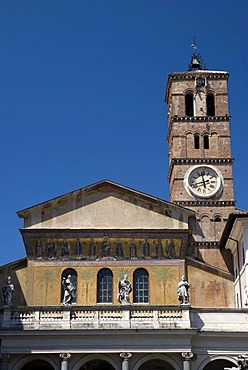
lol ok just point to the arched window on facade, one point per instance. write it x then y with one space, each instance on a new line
140 282
69 286
206 142
197 141
189 105
210 105
105 286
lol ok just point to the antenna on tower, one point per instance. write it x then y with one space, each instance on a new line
196 61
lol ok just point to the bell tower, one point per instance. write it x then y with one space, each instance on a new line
200 162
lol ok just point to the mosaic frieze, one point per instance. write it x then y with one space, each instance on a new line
94 248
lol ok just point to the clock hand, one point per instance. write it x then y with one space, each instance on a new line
203 181
199 183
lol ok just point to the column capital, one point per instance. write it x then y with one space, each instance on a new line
4 356
65 356
187 356
125 355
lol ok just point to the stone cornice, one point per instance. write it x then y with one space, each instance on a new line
197 119
192 161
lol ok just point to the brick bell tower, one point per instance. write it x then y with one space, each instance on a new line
200 162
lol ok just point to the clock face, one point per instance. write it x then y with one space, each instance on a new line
203 181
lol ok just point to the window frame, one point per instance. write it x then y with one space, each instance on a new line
140 286
105 286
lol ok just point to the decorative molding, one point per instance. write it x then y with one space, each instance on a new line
192 75
204 203
192 161
197 119
201 160
201 118
205 244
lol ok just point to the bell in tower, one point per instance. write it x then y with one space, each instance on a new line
196 62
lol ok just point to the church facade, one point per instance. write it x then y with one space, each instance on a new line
115 279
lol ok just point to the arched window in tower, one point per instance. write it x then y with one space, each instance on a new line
197 141
105 286
140 280
210 105
217 219
189 104
217 226
206 142
69 287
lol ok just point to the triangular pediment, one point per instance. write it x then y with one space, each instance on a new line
106 205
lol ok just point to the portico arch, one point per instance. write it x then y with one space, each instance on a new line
218 363
36 362
99 361
156 360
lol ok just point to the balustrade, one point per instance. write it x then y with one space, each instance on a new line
97 317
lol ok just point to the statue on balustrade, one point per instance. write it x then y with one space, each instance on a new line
242 362
183 291
124 289
8 291
68 290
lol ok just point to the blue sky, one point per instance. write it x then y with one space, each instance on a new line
82 87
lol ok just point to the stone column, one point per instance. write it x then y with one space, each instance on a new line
187 356
4 361
125 360
64 360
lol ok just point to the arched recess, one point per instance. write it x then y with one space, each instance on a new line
189 143
70 274
140 286
218 363
214 143
149 360
37 362
96 360
205 226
